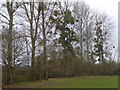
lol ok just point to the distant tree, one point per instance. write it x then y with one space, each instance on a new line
101 39
84 29
33 21
67 34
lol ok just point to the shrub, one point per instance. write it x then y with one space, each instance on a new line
20 78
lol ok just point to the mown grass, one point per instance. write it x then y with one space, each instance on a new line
74 82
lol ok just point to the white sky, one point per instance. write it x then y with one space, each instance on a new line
110 7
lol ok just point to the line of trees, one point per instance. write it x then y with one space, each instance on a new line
54 39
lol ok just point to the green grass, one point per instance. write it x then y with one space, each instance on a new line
74 82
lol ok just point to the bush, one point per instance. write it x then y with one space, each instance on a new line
20 78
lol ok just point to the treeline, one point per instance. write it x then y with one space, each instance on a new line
42 40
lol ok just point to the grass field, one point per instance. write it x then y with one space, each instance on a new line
74 82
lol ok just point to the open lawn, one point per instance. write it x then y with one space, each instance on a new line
73 82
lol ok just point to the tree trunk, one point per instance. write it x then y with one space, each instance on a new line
33 62
33 43
81 43
9 68
87 46
44 45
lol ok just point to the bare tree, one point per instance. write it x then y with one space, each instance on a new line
11 8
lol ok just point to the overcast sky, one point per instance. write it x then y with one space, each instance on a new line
110 7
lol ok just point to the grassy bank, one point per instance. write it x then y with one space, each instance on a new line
73 82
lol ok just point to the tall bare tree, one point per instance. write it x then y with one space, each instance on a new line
11 9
